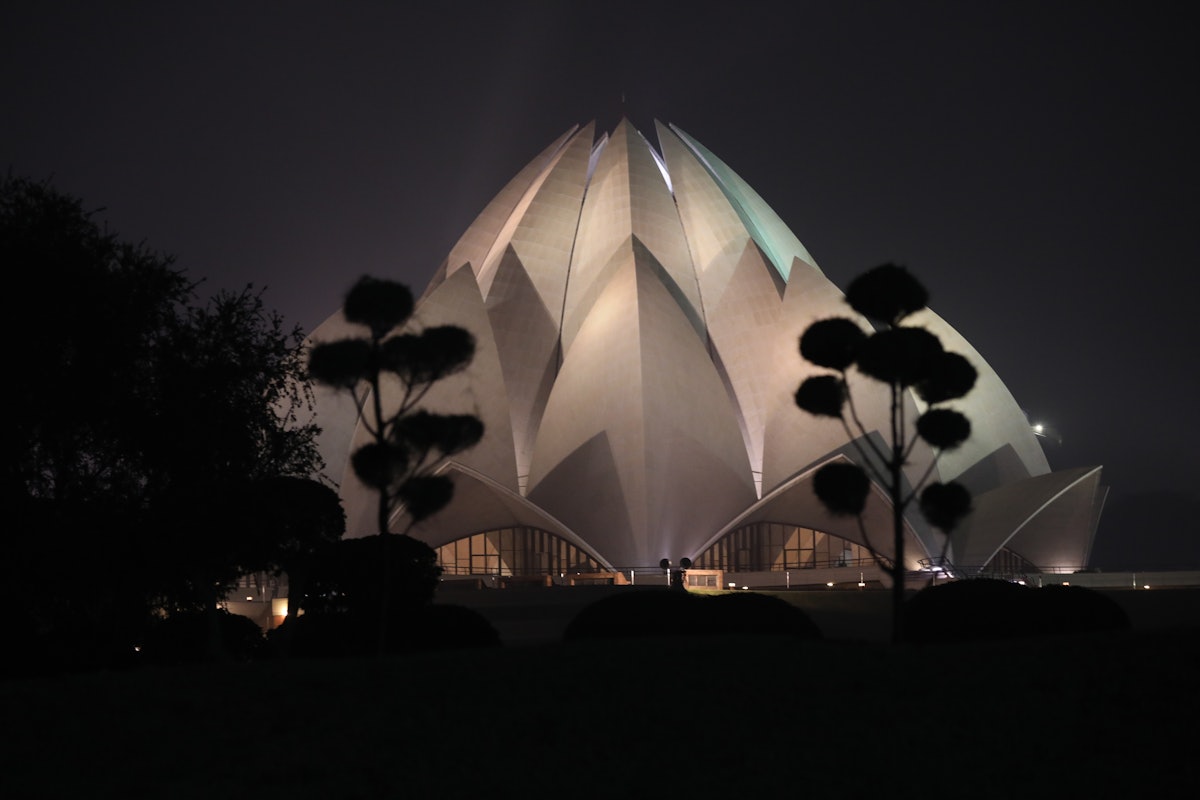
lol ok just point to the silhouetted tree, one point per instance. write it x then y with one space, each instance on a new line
226 429
139 416
287 525
408 443
903 358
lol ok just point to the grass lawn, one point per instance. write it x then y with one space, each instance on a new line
1097 715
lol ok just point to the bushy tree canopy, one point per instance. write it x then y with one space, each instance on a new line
141 418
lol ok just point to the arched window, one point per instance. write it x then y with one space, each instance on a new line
777 546
514 552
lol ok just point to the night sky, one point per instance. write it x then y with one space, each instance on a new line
1034 165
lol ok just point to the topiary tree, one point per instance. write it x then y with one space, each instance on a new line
407 443
903 358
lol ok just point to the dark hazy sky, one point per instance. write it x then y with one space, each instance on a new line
1034 163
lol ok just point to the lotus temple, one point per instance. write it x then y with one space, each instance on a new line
636 308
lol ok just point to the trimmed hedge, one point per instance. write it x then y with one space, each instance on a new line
666 612
994 609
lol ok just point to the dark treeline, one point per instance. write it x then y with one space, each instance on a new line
158 446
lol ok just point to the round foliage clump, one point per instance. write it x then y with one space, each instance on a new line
943 428
429 356
425 495
378 464
842 488
380 305
343 363
950 377
944 504
905 356
832 343
822 396
888 293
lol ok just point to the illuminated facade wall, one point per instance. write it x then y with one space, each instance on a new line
636 311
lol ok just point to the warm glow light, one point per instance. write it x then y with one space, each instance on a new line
1146 586
249 597
861 584
830 584
1037 428
1066 583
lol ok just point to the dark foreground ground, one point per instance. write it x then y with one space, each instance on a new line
1083 716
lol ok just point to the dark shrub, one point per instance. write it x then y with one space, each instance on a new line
1075 609
749 612
636 612
351 575
969 609
994 609
345 594
194 636
443 627
664 612
328 634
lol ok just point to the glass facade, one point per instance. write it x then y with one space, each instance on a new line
777 546
514 552
759 547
